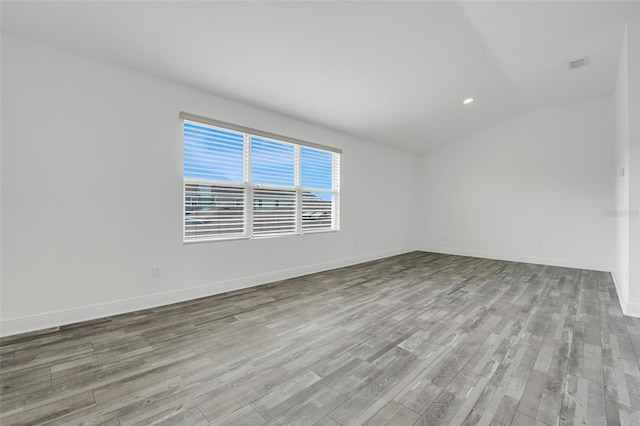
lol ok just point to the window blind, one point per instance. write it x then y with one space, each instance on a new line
319 172
247 130
272 162
213 211
211 153
274 212
246 185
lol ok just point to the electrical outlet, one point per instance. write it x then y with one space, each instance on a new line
155 272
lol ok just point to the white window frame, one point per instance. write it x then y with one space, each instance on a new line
250 187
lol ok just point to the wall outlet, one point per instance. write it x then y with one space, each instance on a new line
155 272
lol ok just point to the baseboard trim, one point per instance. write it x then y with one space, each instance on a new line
627 308
520 258
630 309
633 310
51 320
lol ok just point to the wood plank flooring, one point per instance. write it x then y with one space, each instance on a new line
416 339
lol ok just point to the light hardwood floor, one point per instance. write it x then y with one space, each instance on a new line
416 339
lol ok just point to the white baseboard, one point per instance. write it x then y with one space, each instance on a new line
624 304
630 309
54 319
520 258
633 310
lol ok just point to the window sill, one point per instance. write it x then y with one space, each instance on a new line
260 237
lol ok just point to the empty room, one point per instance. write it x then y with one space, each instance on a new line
320 213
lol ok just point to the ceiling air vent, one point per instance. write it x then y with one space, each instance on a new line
579 63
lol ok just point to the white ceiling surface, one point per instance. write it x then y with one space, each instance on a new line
389 72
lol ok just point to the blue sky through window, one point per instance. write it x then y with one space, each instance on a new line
316 170
218 154
211 153
272 162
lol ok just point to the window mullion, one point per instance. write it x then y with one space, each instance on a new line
296 179
248 188
248 210
335 188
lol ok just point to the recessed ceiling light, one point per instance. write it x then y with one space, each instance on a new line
468 101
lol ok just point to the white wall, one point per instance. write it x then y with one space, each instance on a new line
535 188
621 105
627 157
92 194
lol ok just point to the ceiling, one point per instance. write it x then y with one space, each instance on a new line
391 72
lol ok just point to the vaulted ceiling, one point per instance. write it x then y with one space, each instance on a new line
391 72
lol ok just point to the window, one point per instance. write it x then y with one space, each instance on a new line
243 183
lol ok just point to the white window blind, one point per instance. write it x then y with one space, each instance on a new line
243 183
272 162
213 154
214 191
213 211
319 171
274 212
